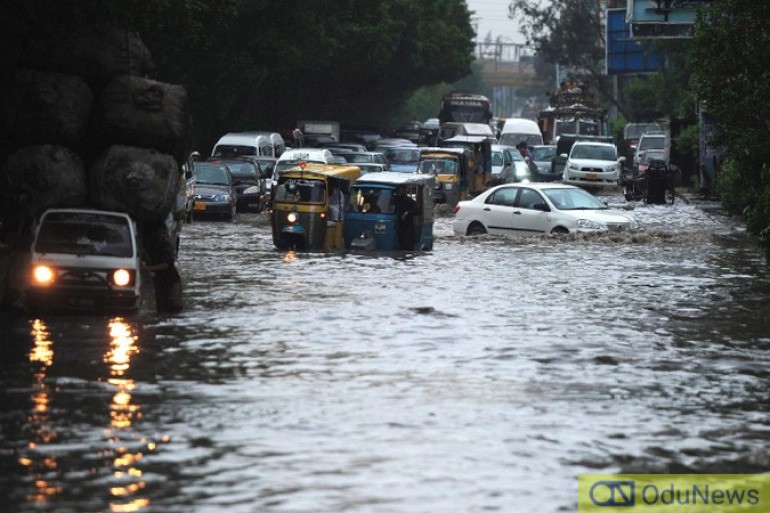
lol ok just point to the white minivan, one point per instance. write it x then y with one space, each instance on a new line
516 130
236 144
86 260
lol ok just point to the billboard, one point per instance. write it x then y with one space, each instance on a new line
653 19
625 55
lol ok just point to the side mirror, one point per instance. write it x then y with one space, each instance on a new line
564 155
622 159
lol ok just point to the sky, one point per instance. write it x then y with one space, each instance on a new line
493 15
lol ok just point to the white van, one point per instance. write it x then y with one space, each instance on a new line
264 144
84 260
516 130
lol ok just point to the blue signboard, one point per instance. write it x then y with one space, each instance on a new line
625 55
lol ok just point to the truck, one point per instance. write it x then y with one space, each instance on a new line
319 130
572 110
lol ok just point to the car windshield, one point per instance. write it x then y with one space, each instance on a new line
206 174
512 139
403 155
230 150
358 157
374 200
589 151
635 130
544 153
300 190
243 169
569 198
656 143
439 166
84 234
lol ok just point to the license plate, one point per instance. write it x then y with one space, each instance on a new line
448 186
199 206
591 176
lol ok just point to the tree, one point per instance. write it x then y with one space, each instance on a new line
251 64
569 33
731 76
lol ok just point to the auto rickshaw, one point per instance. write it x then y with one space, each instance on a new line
450 167
480 166
308 207
390 211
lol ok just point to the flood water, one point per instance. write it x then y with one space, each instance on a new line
482 376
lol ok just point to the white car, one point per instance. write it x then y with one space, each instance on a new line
505 157
593 163
536 209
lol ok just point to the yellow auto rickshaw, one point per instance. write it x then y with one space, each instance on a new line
450 167
480 167
309 204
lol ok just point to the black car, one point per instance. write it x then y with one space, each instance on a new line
249 176
214 192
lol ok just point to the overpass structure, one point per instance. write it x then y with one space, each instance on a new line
507 67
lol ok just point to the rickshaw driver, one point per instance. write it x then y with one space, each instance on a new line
406 210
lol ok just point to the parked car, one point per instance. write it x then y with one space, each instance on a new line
338 147
368 157
593 164
542 157
650 141
507 163
214 191
632 132
409 130
392 142
84 259
536 208
249 180
403 159
371 167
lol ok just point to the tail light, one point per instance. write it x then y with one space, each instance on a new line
457 208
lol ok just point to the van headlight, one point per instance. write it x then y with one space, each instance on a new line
589 224
122 277
43 275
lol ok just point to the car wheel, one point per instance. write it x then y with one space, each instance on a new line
476 229
559 230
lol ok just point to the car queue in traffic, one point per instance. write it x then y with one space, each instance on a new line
310 193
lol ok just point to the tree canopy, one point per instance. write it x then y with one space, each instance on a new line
254 64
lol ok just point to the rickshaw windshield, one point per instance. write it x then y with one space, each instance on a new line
438 166
300 190
373 200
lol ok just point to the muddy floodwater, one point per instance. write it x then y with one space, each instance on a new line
482 376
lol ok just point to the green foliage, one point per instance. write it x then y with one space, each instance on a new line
730 75
687 142
254 64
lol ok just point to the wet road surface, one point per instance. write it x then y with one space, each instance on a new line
483 376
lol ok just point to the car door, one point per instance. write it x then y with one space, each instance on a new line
498 210
529 215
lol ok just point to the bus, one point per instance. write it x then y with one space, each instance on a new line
463 107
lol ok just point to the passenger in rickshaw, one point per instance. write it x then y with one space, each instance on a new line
406 210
